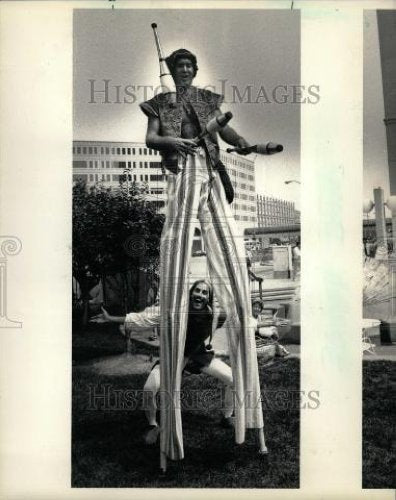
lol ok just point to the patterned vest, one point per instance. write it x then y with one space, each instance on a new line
204 102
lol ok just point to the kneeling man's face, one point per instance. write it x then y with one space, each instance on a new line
200 296
256 309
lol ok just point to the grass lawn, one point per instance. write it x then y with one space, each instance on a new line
379 417
107 448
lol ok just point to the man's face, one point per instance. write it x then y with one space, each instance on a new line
184 72
256 309
200 296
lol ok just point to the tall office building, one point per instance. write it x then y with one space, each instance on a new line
104 162
275 212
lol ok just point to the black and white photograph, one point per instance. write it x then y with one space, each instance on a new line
197 250
379 250
186 254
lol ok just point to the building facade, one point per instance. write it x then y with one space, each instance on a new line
242 175
263 237
275 212
97 162
105 162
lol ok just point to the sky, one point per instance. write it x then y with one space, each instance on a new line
256 48
375 166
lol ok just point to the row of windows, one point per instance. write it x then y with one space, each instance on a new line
242 186
147 151
275 202
276 216
135 164
116 177
92 177
245 218
275 210
116 164
272 218
265 223
267 206
242 175
230 160
146 178
94 150
275 206
266 200
244 196
151 152
157 178
144 164
245 208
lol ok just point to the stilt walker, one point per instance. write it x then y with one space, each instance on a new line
182 124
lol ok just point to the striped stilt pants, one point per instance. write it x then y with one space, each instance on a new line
196 192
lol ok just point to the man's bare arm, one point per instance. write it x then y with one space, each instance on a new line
112 319
231 137
156 141
148 318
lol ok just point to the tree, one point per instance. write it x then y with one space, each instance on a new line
114 231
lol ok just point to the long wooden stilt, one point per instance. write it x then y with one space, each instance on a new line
163 410
163 462
163 457
263 450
